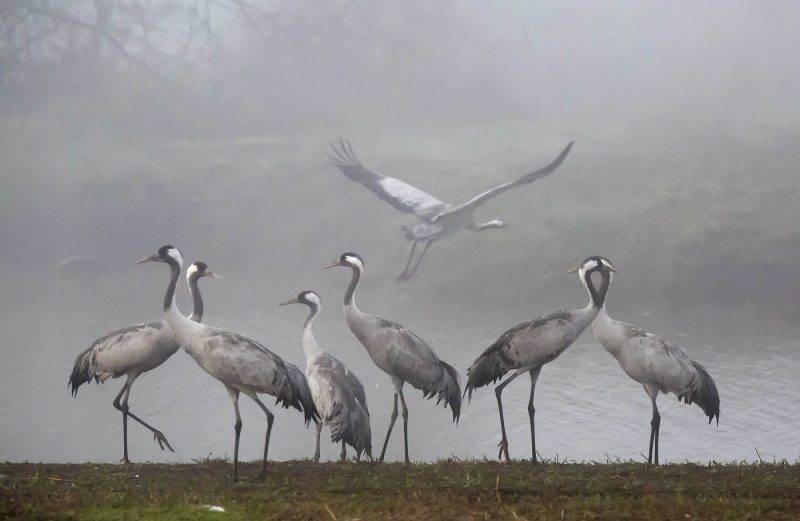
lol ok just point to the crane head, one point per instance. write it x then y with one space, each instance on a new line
307 297
167 253
349 259
593 263
200 269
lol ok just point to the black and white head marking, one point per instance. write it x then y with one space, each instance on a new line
170 252
604 267
310 298
353 260
197 269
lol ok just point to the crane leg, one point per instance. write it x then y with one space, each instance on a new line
532 411
499 391
270 418
316 450
404 274
655 424
419 259
237 428
123 407
392 419
343 455
158 436
658 432
405 421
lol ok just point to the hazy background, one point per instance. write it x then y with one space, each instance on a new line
130 124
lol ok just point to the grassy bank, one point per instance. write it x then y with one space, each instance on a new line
459 490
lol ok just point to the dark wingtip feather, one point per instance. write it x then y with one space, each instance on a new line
80 372
485 369
357 432
452 390
343 155
298 395
705 395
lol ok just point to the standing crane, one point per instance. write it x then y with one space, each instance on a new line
436 219
659 365
400 353
338 394
527 347
132 351
241 364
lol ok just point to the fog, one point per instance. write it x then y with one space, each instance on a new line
128 125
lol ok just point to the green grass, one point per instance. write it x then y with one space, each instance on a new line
446 489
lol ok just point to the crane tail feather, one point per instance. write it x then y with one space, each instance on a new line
704 394
486 369
353 428
449 391
81 371
297 394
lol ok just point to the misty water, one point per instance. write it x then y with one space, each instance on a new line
587 409
684 174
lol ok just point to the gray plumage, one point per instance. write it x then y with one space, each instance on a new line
299 382
660 367
131 351
357 387
337 393
241 364
530 344
436 219
246 365
400 353
704 394
527 347
341 409
404 355
134 349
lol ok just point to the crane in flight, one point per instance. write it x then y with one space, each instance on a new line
436 219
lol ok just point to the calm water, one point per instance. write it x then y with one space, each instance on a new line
587 409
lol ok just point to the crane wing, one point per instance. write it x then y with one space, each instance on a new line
408 356
356 386
528 178
399 194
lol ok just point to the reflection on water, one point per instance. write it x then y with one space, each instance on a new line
587 408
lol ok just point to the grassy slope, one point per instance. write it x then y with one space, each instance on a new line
462 490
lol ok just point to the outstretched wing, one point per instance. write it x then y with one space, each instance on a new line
528 178
402 196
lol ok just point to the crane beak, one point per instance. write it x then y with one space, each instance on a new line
332 264
150 258
612 269
209 273
290 301
573 270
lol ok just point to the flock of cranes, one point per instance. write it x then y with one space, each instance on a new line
329 393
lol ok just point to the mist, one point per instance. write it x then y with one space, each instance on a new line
205 125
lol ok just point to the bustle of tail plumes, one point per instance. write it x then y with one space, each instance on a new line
486 369
81 371
297 394
704 394
352 427
447 389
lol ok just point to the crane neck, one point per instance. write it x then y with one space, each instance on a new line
173 316
349 296
310 346
175 273
197 299
598 295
